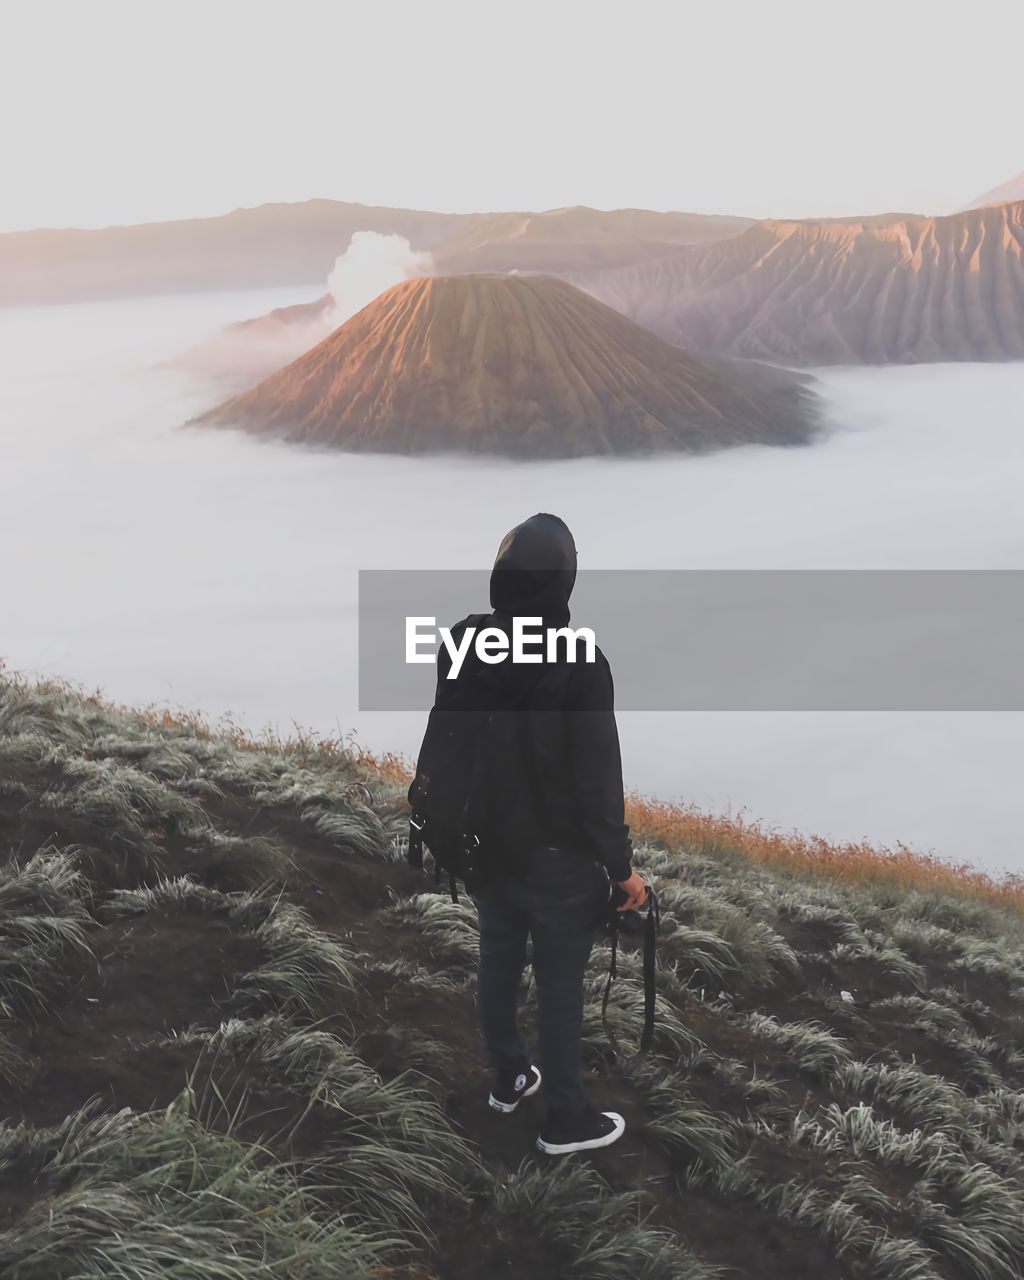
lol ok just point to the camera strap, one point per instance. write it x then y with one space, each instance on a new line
650 948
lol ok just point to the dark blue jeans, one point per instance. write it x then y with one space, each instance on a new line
557 902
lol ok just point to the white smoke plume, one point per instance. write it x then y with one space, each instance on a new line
246 351
371 264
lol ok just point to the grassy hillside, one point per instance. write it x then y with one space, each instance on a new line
238 1039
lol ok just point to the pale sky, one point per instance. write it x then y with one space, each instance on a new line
114 112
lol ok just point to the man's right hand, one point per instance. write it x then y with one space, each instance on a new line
635 889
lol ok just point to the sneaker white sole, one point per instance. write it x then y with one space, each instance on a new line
506 1108
588 1144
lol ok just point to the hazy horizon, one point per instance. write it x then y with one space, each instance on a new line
131 114
226 211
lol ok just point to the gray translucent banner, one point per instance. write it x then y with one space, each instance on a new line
742 640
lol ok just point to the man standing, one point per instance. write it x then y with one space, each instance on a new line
557 796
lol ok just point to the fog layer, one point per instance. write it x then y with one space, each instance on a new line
204 569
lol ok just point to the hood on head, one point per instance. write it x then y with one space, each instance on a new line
535 570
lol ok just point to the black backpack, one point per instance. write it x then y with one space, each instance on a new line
472 787
444 817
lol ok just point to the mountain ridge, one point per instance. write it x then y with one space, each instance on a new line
838 292
1012 189
278 244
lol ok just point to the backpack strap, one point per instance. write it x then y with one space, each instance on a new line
474 620
414 857
417 822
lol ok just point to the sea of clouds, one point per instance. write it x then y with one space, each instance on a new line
205 569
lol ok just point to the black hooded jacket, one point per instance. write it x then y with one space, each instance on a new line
562 770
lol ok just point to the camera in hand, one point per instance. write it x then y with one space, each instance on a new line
628 923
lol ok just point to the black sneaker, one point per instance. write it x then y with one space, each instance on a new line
583 1132
511 1087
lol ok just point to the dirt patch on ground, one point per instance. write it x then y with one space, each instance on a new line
154 974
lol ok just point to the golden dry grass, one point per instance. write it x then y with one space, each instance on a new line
688 828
